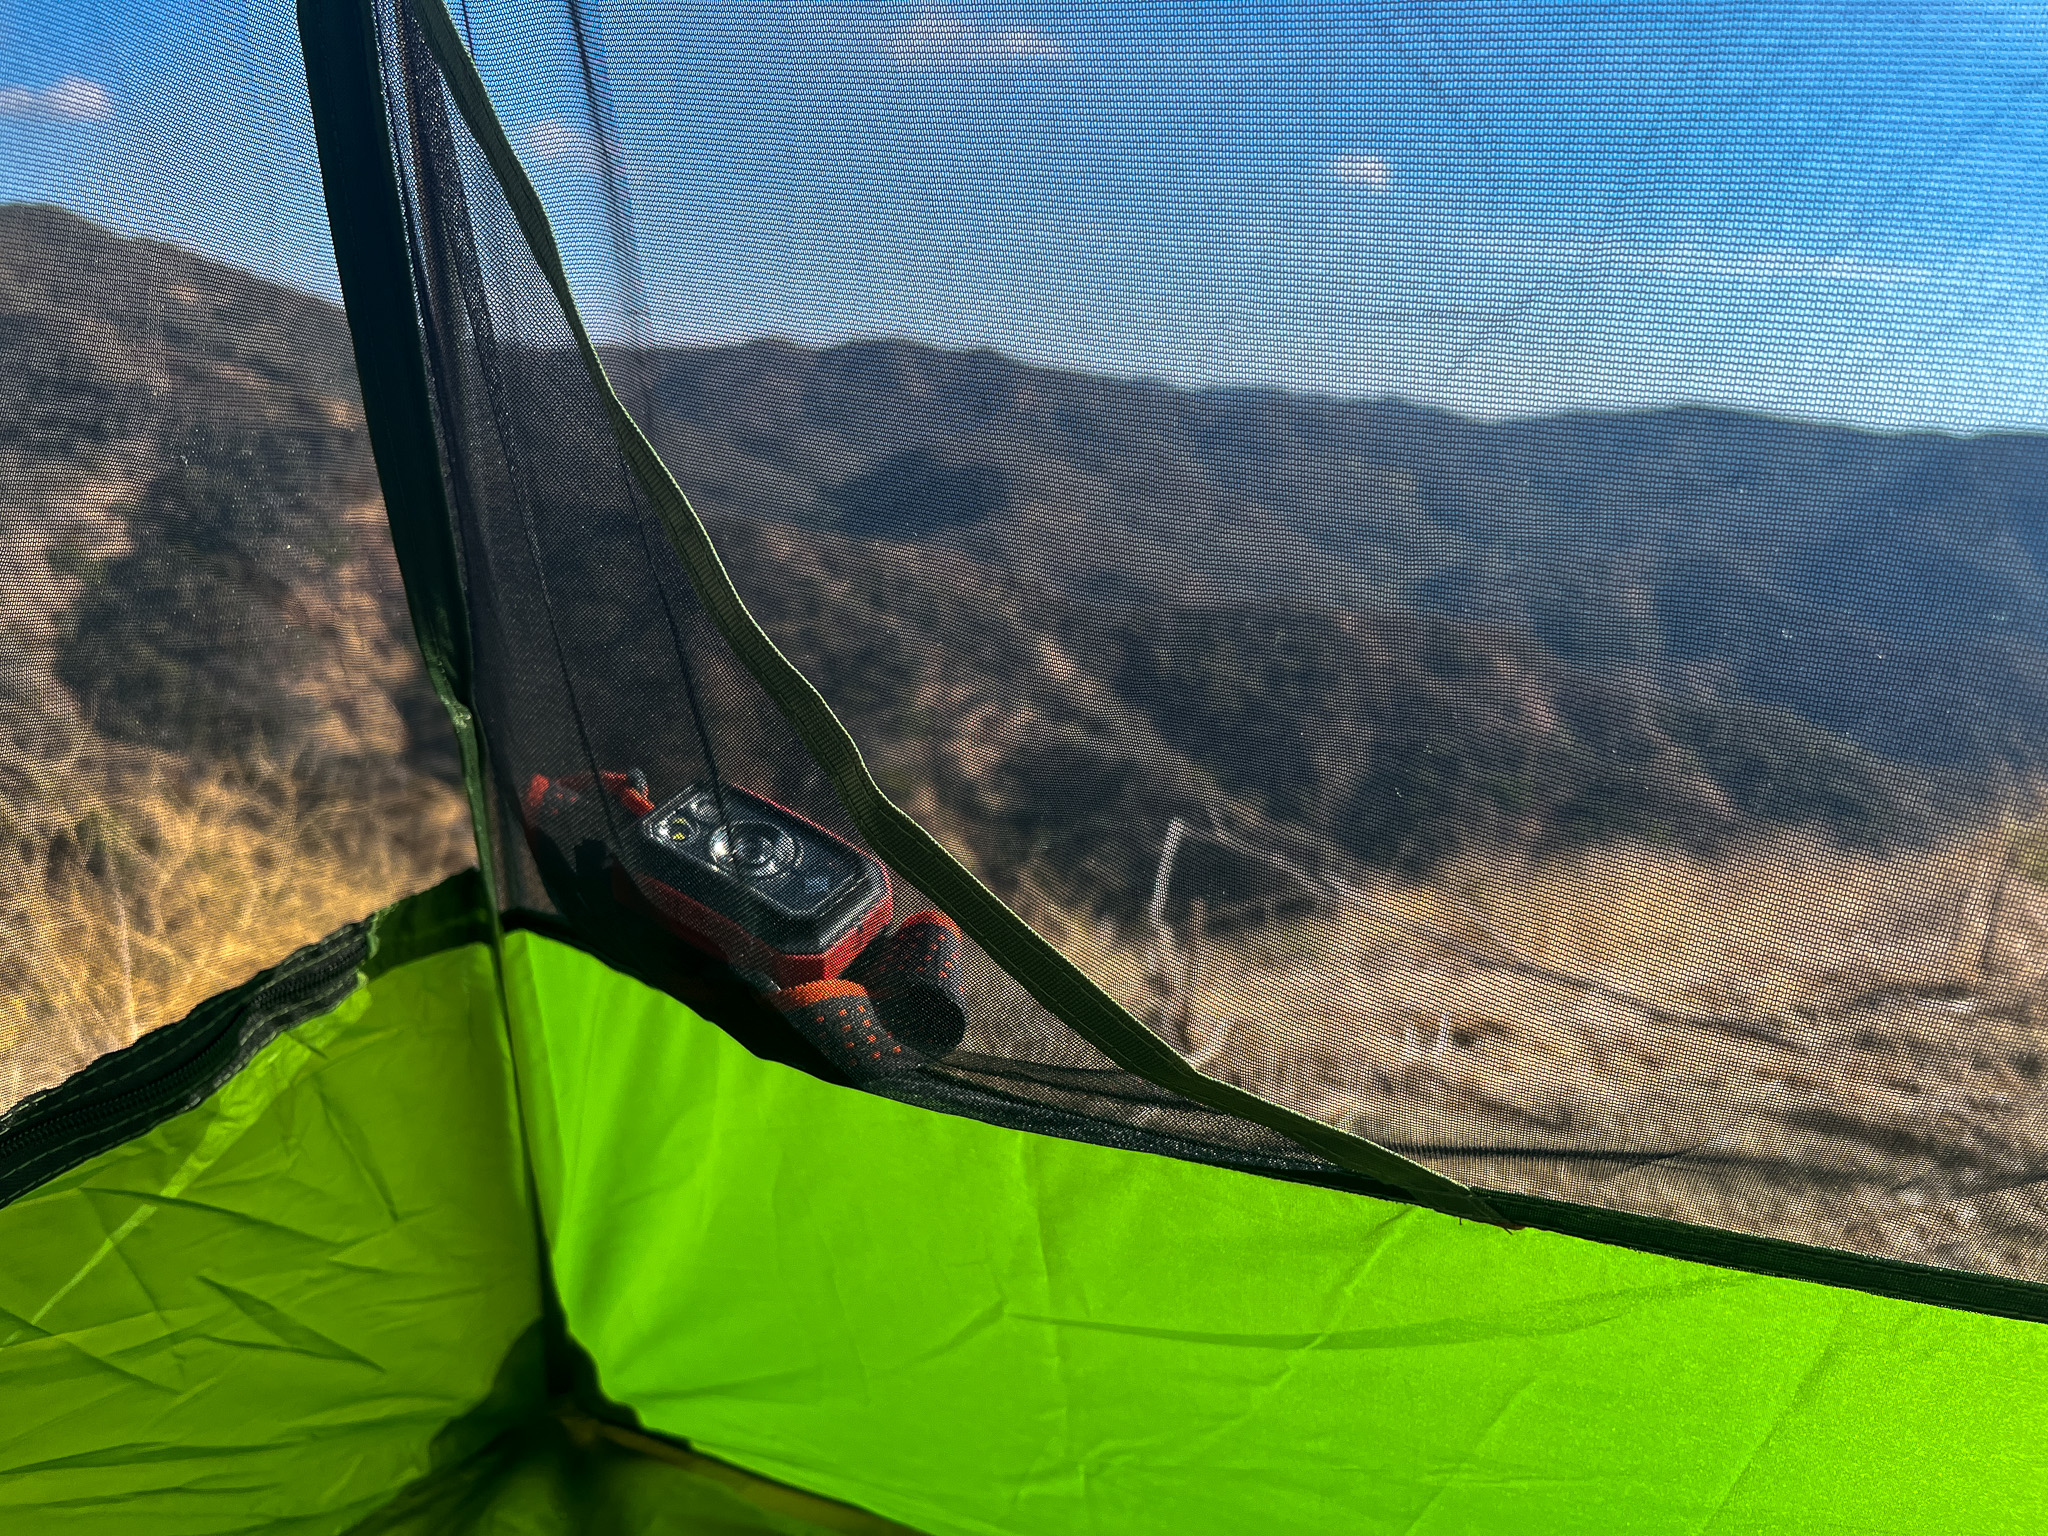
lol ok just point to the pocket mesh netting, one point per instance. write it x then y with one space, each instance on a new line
613 710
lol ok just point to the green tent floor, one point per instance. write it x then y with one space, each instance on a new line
539 1250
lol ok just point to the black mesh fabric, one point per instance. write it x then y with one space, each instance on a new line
594 655
1638 808
216 740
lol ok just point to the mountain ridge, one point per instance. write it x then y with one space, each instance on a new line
1056 608
1658 538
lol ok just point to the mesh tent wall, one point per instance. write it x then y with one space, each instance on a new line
1381 966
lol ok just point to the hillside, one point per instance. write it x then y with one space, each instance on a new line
216 741
1056 737
190 521
1669 783
1657 634
1060 609
1888 587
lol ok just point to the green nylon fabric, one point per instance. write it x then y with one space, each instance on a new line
313 1304
972 1329
274 1312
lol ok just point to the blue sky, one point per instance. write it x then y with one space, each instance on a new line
1830 211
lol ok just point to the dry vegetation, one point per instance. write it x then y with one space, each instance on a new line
137 883
1795 1040
216 739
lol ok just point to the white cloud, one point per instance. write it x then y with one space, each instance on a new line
73 99
939 39
1362 171
553 139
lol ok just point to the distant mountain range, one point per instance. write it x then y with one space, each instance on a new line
1058 609
1891 587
